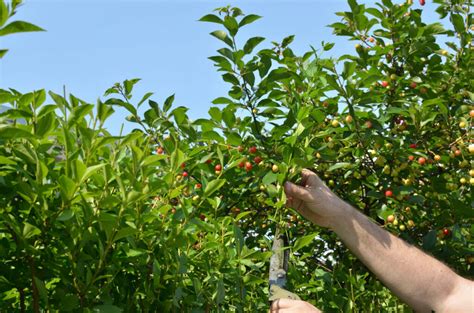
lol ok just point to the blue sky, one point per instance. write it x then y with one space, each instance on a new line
90 45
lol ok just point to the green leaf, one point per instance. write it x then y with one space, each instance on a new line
6 161
278 74
384 212
433 29
65 215
349 68
125 232
168 103
269 178
252 43
4 13
128 85
153 160
10 132
339 165
19 27
328 46
220 291
39 98
30 231
303 241
222 100
67 187
212 135
375 12
242 215
231 24
264 65
222 63
249 19
41 289
230 78
91 170
234 139
130 108
6 96
458 23
180 115
103 111
3 52
222 35
216 114
211 18
177 158
46 124
228 115
287 40
144 98
213 186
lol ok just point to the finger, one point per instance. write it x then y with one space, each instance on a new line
294 203
283 303
298 192
309 178
275 306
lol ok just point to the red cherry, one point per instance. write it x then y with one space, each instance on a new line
202 217
198 186
209 161
413 146
241 164
185 174
422 2
384 83
388 193
446 231
218 167
257 160
413 85
253 149
421 160
183 165
457 152
411 157
248 166
160 150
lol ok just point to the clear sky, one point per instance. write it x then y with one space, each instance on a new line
91 44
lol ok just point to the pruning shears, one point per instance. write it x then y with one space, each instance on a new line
279 268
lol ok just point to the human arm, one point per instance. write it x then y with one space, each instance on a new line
421 281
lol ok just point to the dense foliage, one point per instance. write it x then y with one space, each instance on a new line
178 215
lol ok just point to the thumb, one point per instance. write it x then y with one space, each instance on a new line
298 192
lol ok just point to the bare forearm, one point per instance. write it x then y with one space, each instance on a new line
418 279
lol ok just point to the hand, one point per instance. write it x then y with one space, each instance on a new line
314 200
292 306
